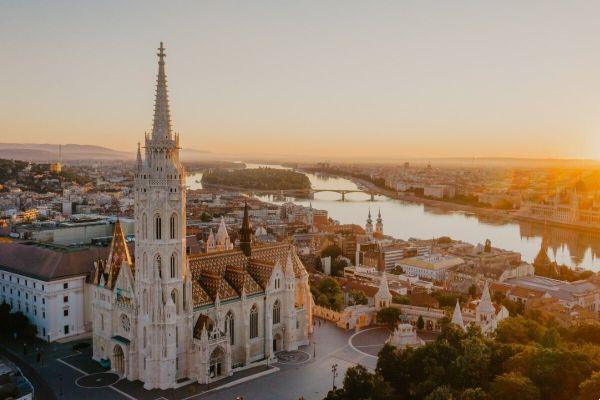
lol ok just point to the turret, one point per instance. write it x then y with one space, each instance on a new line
457 318
485 310
383 297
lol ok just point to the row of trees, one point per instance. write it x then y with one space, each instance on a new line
16 323
527 360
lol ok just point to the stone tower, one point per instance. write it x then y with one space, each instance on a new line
369 225
379 224
162 283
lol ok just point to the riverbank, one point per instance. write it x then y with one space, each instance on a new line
487 212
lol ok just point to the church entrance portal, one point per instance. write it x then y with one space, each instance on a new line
118 360
277 343
216 363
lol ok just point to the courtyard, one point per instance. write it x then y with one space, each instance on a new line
72 374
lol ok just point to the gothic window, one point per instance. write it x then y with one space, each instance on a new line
157 227
144 227
173 266
173 227
145 340
230 327
175 300
145 301
158 265
276 312
254 322
145 265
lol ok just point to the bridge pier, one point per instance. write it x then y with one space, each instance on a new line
343 196
372 196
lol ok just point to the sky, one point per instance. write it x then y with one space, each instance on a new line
397 79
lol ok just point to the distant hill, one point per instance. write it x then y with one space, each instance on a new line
43 152
49 152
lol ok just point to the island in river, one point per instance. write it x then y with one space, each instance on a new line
257 179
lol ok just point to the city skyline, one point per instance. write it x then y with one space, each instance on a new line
391 80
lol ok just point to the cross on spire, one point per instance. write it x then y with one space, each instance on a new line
161 53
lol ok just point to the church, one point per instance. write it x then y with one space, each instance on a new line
167 318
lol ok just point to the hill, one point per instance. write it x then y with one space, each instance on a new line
49 152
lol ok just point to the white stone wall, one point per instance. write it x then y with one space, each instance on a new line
44 303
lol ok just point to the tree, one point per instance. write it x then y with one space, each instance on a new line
399 299
512 386
205 217
420 323
519 330
474 394
358 383
388 316
440 393
473 363
358 297
397 270
333 251
473 290
328 293
590 388
556 372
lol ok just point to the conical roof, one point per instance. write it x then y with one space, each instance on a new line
457 318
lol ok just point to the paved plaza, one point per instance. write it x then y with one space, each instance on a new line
72 374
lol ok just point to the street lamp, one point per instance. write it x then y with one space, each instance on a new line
333 374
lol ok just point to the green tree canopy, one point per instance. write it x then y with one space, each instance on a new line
513 386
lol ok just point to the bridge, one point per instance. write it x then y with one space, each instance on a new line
311 192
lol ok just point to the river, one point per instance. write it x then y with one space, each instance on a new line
404 220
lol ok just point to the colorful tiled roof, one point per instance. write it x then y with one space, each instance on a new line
227 272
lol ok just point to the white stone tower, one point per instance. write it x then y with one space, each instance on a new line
383 297
162 281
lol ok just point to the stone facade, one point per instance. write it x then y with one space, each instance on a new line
166 318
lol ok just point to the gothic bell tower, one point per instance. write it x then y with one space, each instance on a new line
162 282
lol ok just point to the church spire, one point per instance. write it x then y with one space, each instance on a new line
246 233
161 127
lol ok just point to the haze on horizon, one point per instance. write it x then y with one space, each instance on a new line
360 79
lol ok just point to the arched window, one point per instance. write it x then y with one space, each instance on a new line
173 227
157 264
145 338
157 227
254 322
144 227
276 312
145 265
145 306
230 327
175 300
173 266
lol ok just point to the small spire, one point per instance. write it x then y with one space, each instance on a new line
457 318
246 233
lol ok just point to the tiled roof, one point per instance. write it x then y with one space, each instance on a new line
240 279
48 263
227 272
